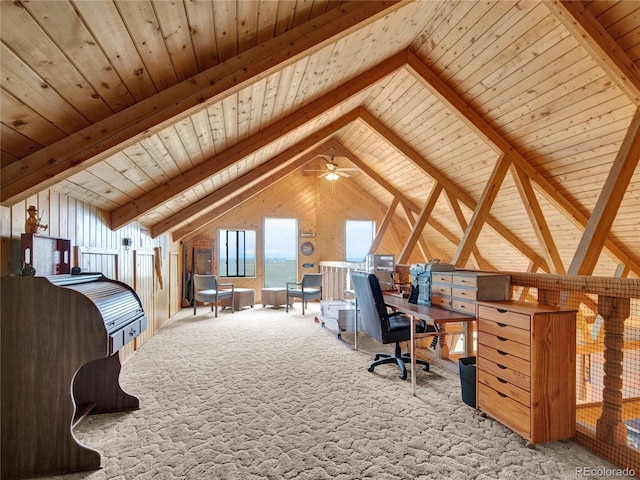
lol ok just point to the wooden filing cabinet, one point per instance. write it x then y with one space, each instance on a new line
526 368
461 289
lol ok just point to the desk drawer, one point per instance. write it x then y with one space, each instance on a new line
505 409
464 293
441 277
505 317
503 344
504 359
504 387
470 281
505 331
440 290
441 301
463 306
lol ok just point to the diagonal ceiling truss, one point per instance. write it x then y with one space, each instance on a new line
48 166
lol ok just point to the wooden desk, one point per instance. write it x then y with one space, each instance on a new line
434 316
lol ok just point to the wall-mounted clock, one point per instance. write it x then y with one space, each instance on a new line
307 248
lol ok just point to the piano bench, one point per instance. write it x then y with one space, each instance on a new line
242 297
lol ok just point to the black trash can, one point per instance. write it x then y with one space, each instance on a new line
467 367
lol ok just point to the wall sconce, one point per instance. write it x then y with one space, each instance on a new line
126 242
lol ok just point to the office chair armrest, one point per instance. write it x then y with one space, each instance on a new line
294 284
225 285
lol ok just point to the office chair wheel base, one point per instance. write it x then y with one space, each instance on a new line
403 376
426 368
370 369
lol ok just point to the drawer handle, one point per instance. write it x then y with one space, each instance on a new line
501 380
132 332
501 366
501 310
502 325
501 352
502 395
502 339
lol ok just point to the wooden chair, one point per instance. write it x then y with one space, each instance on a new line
206 288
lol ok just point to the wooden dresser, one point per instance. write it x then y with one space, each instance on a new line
526 368
460 290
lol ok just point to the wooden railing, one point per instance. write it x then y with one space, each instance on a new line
608 324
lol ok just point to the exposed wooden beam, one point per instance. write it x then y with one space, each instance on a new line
484 130
481 213
537 220
210 167
422 245
96 142
189 230
456 211
606 208
278 165
386 222
420 223
447 184
590 33
407 204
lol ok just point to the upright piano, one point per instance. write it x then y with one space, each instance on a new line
60 337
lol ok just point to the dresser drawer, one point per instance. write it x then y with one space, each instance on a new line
441 301
464 293
505 409
441 277
506 388
462 306
505 331
505 317
503 344
514 377
504 359
440 290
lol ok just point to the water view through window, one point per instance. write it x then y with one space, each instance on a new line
280 251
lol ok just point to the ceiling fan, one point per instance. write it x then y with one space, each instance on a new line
333 171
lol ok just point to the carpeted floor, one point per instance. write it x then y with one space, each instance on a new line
261 394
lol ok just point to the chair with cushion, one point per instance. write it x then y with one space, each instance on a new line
381 324
206 288
309 288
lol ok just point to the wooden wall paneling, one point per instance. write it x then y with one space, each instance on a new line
174 284
98 259
144 286
6 242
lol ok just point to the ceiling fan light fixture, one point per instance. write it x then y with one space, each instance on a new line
331 176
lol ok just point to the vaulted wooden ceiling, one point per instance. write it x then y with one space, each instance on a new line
507 131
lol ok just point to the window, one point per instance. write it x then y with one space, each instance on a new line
280 251
237 253
358 239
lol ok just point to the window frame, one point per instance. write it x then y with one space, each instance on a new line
239 247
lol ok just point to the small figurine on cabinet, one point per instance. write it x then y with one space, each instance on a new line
32 225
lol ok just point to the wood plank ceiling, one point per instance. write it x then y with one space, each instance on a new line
524 113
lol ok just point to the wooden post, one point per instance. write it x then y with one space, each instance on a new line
610 427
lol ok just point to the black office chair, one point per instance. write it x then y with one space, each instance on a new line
382 325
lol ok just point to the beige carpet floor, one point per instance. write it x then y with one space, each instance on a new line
261 394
